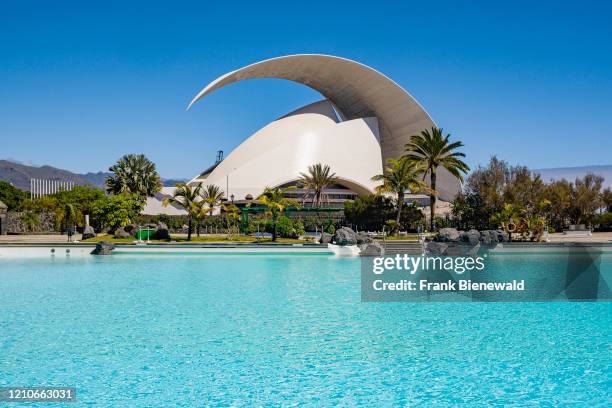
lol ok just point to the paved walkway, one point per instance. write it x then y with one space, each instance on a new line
595 237
36 239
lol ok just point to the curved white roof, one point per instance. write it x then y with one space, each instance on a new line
356 89
277 154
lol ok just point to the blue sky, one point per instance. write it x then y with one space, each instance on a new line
82 83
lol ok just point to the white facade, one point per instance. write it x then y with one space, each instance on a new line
279 152
154 205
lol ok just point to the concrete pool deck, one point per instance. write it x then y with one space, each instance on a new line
596 237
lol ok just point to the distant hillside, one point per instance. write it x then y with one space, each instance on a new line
172 182
19 175
571 173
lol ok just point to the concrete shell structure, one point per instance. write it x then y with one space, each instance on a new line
365 119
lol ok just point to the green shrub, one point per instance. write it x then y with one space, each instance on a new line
12 196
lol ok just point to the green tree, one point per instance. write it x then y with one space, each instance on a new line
560 194
12 196
187 197
30 220
118 210
231 213
400 176
317 179
586 198
431 150
275 201
135 174
470 212
606 197
81 199
489 183
508 218
369 212
212 196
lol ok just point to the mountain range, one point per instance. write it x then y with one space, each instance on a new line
19 175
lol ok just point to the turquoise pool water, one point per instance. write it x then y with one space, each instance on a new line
260 330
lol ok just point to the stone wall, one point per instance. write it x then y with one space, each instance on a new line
15 225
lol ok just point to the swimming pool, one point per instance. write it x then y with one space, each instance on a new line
165 330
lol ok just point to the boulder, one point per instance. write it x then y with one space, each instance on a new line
162 233
130 228
363 238
371 249
485 237
489 237
88 232
472 237
345 236
103 248
448 235
122 233
325 238
502 236
436 248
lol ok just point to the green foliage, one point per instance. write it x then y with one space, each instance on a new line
469 211
30 220
173 222
331 228
134 174
371 213
604 221
68 206
275 202
391 227
286 228
560 202
12 196
118 210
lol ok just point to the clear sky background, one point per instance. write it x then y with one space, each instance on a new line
82 83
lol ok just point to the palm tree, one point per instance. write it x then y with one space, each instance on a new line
232 213
400 175
187 197
134 173
211 197
274 200
318 178
432 150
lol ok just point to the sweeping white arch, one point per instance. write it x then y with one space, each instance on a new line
357 90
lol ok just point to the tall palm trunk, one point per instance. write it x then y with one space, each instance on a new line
400 205
432 204
274 221
189 229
